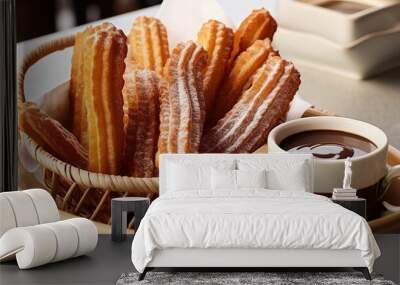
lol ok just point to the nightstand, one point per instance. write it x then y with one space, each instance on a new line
120 207
358 205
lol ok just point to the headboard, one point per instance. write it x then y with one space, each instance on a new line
206 157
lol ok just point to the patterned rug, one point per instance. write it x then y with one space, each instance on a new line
269 278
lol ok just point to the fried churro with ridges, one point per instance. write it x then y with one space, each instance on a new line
164 119
182 103
217 40
141 122
246 127
258 25
105 51
148 42
246 64
51 135
77 104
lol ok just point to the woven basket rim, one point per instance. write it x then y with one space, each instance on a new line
83 177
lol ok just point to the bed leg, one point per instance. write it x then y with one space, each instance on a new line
142 275
364 271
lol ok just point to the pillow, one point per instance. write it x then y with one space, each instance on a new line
237 179
293 174
188 173
251 178
294 179
223 179
182 177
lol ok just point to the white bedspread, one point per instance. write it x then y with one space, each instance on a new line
250 219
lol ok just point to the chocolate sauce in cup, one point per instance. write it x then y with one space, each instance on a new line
328 144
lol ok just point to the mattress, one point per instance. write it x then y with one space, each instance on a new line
251 219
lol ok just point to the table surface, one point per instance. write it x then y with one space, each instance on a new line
110 259
376 100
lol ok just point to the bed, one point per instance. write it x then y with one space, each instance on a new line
280 223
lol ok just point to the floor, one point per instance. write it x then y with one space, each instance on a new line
103 266
110 260
389 262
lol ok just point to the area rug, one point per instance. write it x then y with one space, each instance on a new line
268 278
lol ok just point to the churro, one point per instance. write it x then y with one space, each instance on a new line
51 135
258 25
182 103
217 40
243 69
77 104
105 50
148 43
141 122
245 128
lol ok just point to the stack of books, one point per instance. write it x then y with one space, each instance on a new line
344 194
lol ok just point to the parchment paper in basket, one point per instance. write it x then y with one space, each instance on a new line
183 18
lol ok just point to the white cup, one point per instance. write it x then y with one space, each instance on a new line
367 170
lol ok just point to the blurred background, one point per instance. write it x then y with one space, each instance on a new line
34 19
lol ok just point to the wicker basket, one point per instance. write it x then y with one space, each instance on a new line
85 193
